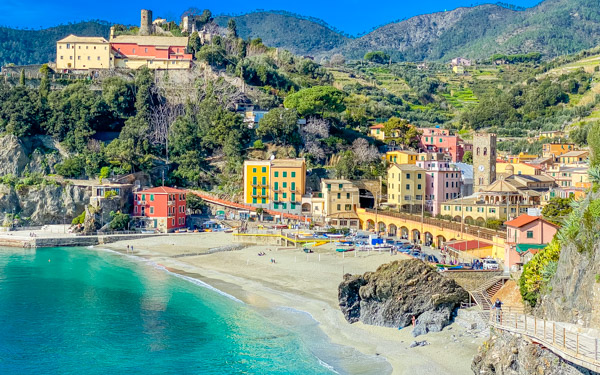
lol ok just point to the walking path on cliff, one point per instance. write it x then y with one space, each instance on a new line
569 341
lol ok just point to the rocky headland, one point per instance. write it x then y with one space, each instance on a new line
398 291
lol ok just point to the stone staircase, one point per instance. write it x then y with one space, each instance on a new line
483 295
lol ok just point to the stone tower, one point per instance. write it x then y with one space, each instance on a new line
146 22
484 160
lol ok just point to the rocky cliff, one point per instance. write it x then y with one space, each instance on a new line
43 204
508 354
36 154
396 292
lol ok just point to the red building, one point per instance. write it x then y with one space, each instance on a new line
161 208
440 140
154 52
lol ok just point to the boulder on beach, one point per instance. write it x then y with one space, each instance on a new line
396 292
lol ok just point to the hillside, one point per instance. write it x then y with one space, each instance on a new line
39 46
554 27
283 30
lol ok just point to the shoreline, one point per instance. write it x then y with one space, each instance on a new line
306 283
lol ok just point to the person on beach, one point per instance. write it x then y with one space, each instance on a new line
414 321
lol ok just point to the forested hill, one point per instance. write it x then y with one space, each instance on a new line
287 30
554 27
39 46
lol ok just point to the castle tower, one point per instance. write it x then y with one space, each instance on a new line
146 22
484 160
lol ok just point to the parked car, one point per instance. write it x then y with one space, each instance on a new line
490 264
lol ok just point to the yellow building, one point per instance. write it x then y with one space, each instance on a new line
556 149
554 134
341 198
574 157
518 168
83 53
376 131
568 176
406 186
276 184
521 158
401 157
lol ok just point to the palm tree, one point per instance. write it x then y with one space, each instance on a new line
260 211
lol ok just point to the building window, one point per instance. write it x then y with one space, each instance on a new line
253 170
293 174
339 195
254 180
292 206
275 205
253 191
264 169
264 180
151 209
419 176
70 57
348 207
529 234
284 184
293 197
253 200
132 51
146 50
339 207
89 58
408 175
143 197
78 57
276 196
284 174
276 174
347 195
68 46
264 201
284 205
293 186
407 187
276 186
61 57
284 195
98 58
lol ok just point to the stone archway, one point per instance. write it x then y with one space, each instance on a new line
370 225
381 227
392 230
469 220
441 240
457 218
415 235
404 232
306 208
428 239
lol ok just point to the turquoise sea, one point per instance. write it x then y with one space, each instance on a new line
84 311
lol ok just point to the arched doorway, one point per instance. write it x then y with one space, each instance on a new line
366 198
392 230
370 225
404 232
416 235
306 209
428 239
469 220
441 240
381 227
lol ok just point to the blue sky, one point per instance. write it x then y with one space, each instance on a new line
351 16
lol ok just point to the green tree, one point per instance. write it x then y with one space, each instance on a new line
593 140
401 131
557 210
346 167
120 221
231 28
316 100
22 78
44 88
195 203
468 157
280 125
194 43
378 57
20 111
212 54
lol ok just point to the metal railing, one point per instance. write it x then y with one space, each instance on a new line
564 339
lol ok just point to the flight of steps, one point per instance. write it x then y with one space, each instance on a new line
483 295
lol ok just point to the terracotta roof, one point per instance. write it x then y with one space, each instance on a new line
162 190
83 39
574 153
378 126
468 245
521 221
151 40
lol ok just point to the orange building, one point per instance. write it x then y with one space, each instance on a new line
555 150
162 208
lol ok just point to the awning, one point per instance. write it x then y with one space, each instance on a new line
524 247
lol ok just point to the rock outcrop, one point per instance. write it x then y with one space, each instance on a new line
508 354
396 292
49 204
37 154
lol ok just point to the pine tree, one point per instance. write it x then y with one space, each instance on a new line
22 78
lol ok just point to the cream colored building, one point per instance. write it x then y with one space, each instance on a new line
83 53
406 186
341 198
503 199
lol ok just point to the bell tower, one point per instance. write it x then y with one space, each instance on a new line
484 160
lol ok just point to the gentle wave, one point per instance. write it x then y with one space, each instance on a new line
163 268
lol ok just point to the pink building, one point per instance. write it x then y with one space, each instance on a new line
525 236
442 180
440 140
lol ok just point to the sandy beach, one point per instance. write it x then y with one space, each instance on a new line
307 282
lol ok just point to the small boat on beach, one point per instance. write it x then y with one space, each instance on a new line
344 249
